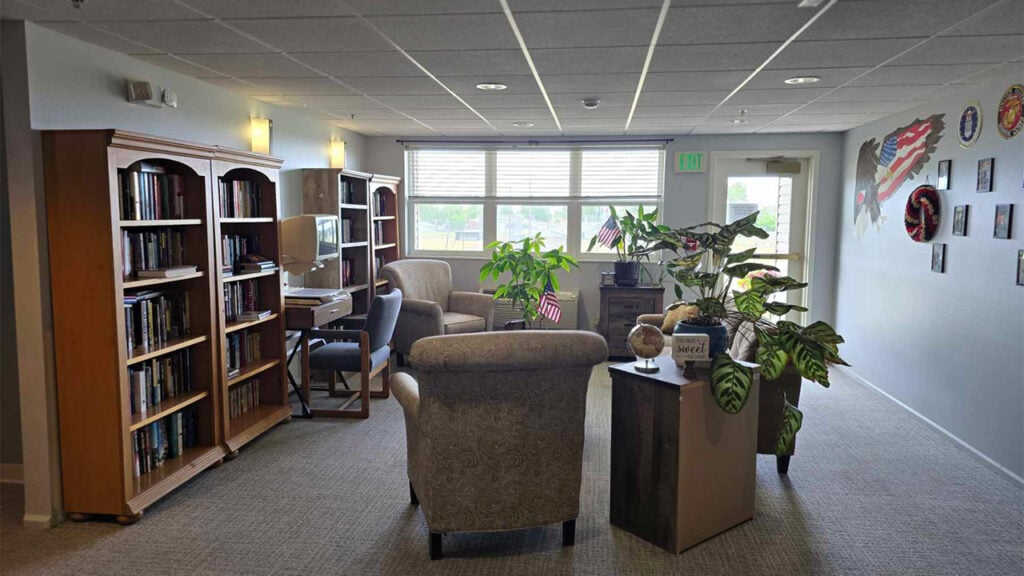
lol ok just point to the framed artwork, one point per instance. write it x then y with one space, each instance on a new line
960 220
939 258
1004 221
985 168
944 169
1020 267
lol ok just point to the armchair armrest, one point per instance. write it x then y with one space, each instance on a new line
407 392
336 334
652 319
474 303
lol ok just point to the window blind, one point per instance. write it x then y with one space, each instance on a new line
441 173
533 173
617 172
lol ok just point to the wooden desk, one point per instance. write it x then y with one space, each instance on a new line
304 319
682 470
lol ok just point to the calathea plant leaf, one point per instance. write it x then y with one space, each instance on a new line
808 356
772 284
750 303
730 383
781 308
792 420
770 355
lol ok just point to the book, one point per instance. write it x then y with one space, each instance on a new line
172 272
252 315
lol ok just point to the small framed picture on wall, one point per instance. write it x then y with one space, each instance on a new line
1020 267
1004 222
960 220
939 258
986 167
945 166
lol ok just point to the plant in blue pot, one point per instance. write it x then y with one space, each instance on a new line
703 271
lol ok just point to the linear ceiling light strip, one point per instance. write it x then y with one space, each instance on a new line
647 61
529 60
885 63
775 54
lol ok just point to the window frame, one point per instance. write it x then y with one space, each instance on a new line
574 203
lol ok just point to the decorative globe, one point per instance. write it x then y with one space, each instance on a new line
646 342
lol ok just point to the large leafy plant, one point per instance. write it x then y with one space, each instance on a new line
703 269
530 268
637 233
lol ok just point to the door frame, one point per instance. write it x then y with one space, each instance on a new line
810 227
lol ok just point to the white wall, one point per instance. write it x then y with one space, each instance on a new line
950 346
685 204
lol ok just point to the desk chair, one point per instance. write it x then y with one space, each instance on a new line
367 351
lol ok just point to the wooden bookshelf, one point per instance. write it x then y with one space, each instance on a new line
261 174
373 239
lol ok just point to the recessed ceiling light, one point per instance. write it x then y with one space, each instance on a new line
491 86
522 124
739 121
803 80
591 103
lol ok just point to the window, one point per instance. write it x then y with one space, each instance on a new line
459 200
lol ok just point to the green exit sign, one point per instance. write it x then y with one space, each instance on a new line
690 162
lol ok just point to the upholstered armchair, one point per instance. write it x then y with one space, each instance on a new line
774 393
430 307
494 429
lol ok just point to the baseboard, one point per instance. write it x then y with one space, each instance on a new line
995 466
12 474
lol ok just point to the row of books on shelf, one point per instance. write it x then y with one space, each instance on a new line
235 247
163 440
240 199
243 351
243 398
240 298
346 194
378 263
152 254
152 318
348 271
151 194
381 204
379 236
160 379
347 232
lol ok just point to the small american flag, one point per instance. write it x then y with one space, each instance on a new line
548 304
609 233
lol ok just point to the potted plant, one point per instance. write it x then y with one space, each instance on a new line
530 270
632 242
705 265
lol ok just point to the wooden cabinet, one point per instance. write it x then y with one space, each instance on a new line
620 306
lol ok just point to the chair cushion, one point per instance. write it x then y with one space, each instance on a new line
456 323
345 356
672 317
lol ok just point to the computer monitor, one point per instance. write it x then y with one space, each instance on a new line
307 240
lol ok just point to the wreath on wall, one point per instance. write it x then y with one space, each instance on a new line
921 217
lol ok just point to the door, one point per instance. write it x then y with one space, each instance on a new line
777 188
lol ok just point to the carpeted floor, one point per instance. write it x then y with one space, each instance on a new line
871 491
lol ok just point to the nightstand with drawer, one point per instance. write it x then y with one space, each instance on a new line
620 306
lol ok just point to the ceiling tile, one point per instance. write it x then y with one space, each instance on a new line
840 53
703 57
245 65
819 119
915 75
579 112
395 86
447 32
803 129
888 19
346 64
740 129
590 83
446 114
347 103
110 11
670 111
840 108
756 109
729 121
781 96
682 81
520 6
269 8
17 10
302 86
1007 18
588 28
367 116
738 24
512 114
463 124
415 7
86 33
680 98
185 36
830 77
965 50
607 99
469 63
314 34
236 85
997 71
407 102
879 93
177 65
666 122
482 101
588 60
519 84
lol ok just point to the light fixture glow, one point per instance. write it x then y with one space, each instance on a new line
803 80
338 154
491 86
739 121
522 124
260 134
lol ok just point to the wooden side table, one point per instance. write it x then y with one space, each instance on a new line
620 305
682 470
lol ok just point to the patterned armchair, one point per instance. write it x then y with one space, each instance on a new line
494 428
430 306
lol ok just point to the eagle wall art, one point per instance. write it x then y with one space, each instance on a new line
880 173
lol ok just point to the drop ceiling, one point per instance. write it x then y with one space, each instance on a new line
410 67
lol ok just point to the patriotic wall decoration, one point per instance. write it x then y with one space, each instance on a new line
921 218
1011 108
883 167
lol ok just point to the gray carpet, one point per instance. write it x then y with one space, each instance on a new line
871 491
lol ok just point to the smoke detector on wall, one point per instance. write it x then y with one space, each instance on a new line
591 103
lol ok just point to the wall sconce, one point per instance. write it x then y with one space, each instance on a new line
261 131
338 154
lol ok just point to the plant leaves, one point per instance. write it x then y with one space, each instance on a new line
711 307
749 302
770 355
737 257
792 420
730 383
781 308
772 284
808 356
822 332
741 270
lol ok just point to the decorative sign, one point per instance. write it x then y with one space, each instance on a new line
1011 108
690 162
969 127
690 348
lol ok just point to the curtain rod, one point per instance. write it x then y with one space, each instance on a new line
541 142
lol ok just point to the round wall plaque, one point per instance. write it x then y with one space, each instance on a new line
1011 107
969 127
